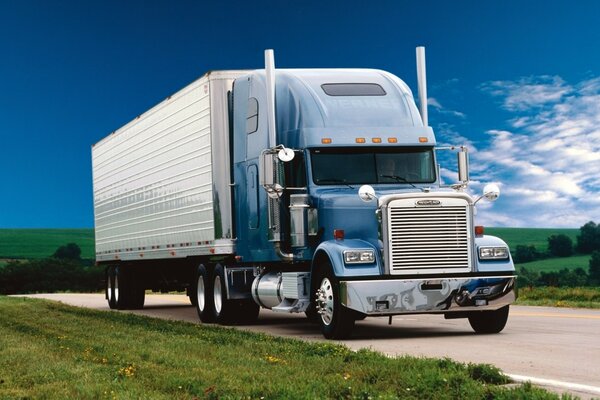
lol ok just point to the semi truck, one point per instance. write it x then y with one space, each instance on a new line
314 191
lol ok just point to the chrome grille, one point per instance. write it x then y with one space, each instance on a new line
428 239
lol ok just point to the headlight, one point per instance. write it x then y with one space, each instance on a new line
493 253
359 256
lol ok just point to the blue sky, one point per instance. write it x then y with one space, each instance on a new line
518 81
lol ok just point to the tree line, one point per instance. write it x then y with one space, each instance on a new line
63 271
588 242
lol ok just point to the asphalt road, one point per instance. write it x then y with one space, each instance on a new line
538 343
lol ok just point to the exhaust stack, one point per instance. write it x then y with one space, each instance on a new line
422 84
270 74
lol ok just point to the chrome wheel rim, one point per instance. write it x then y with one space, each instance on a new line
116 288
325 301
217 297
200 293
109 288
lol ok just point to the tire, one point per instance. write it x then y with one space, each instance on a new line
223 310
137 290
129 292
203 295
336 321
110 287
489 321
121 288
226 311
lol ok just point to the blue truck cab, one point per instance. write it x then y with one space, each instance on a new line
340 211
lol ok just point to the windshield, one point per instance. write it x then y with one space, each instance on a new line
372 166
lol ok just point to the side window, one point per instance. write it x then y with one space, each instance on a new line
252 118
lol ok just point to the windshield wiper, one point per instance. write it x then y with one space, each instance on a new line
401 179
333 182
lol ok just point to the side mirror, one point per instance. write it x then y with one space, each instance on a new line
366 193
286 155
491 192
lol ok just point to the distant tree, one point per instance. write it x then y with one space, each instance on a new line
589 238
525 254
560 245
594 270
527 278
69 252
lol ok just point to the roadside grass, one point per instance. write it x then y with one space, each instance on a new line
579 297
537 237
53 351
556 264
41 243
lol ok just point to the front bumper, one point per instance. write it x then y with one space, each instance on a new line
416 296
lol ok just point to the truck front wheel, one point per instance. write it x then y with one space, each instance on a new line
336 320
489 321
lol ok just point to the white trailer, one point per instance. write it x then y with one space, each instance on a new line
161 182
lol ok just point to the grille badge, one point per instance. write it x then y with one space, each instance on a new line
428 203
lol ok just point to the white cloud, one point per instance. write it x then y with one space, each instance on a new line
549 156
433 102
528 92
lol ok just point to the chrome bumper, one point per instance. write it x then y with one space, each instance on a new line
388 297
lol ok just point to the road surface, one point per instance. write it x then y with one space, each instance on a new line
556 344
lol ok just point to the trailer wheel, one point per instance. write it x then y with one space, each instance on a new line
136 290
110 287
336 320
203 295
489 321
121 288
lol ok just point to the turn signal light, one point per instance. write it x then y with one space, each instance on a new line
479 231
338 234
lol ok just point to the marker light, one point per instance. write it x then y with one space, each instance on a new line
376 140
338 234
326 141
392 140
360 140
479 230
423 140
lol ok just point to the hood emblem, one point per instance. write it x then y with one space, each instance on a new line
428 203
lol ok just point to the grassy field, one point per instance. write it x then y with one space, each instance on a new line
41 243
91 354
587 297
537 237
556 264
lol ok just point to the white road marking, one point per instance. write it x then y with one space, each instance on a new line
554 383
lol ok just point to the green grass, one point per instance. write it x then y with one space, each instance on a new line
41 243
537 237
53 351
556 264
586 297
